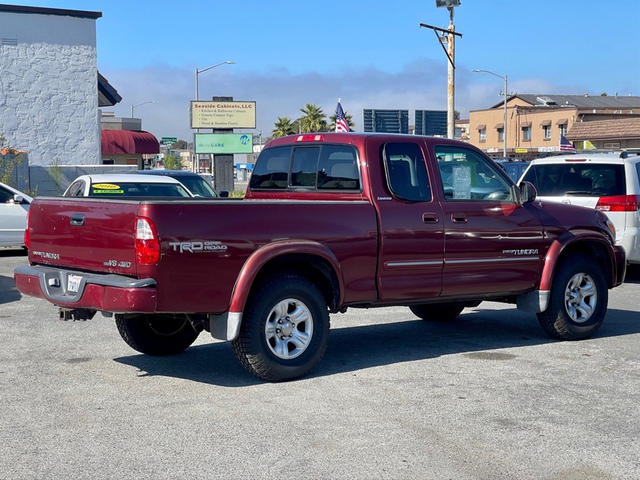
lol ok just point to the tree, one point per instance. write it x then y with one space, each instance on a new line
10 159
180 145
172 162
313 120
350 123
283 127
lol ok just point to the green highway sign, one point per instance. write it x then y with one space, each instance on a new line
168 140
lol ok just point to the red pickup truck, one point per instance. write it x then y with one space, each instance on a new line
329 221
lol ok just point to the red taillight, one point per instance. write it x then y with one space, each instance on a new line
27 235
619 203
147 243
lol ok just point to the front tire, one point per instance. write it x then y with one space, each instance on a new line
285 330
578 300
156 334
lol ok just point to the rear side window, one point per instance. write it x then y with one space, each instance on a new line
76 189
5 195
321 167
406 172
587 179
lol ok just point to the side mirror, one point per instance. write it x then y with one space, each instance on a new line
528 192
223 194
18 198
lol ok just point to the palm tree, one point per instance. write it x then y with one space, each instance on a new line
283 127
313 120
350 123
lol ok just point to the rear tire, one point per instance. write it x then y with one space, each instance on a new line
437 311
156 334
285 330
578 300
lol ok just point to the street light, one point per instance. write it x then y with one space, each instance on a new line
143 103
504 131
228 62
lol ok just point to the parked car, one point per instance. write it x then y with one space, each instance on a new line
125 185
514 169
14 206
198 186
605 182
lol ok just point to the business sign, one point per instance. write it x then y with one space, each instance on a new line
168 140
223 114
223 142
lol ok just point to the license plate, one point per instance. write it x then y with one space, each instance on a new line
73 283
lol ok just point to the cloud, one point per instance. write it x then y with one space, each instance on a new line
421 84
278 92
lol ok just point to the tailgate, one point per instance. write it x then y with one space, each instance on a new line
84 234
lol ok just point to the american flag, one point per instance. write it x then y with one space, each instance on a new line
341 120
565 145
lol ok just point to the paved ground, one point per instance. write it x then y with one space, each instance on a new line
487 396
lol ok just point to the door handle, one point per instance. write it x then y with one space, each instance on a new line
430 217
458 218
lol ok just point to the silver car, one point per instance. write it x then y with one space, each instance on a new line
14 206
606 182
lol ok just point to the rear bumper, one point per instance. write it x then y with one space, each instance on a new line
107 293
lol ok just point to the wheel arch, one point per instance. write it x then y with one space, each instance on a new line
578 242
308 259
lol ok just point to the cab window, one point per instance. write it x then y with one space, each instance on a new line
467 175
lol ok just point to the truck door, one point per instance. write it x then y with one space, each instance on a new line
410 223
492 244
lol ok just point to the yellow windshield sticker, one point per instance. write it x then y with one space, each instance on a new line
105 186
108 192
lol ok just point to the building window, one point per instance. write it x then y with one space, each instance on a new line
546 129
483 134
526 134
563 129
501 134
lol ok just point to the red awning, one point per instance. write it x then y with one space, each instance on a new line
115 142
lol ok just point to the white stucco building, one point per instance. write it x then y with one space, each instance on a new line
49 84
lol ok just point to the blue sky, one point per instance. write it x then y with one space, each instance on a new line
371 54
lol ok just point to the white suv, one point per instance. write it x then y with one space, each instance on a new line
606 182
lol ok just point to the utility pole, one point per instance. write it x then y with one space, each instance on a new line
448 36
451 78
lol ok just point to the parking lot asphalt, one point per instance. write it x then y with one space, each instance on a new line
487 396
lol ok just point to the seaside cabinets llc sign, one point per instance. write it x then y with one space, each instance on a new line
223 114
224 143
